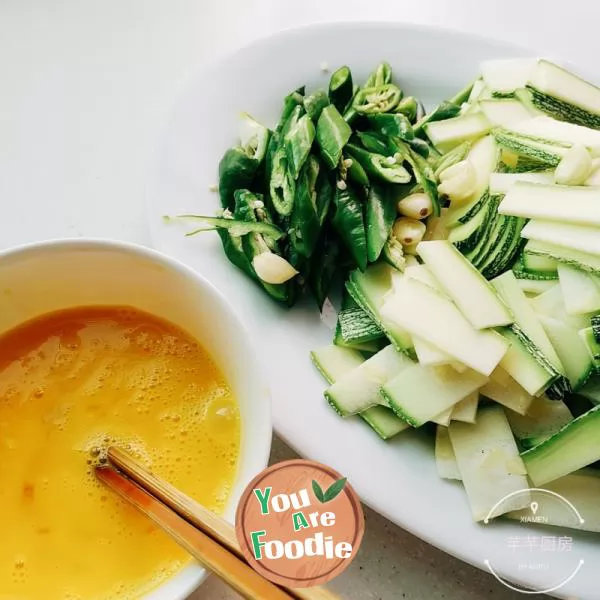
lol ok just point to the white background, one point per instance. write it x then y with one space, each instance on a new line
86 88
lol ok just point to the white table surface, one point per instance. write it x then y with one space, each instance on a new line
86 89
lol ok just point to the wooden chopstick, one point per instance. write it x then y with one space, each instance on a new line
145 486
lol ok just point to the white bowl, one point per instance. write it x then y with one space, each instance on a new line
48 276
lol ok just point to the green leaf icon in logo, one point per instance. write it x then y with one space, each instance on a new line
332 491
318 491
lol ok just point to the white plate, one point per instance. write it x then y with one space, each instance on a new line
398 478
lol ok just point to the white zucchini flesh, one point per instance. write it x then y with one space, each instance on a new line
551 304
360 388
466 410
578 237
571 350
534 287
512 396
590 263
581 292
464 284
382 419
429 315
504 112
335 361
544 418
428 355
524 368
506 75
525 316
419 394
445 135
445 461
582 488
500 183
489 463
476 90
443 419
560 131
560 83
553 203
424 275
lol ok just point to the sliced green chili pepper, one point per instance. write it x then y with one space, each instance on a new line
232 246
290 102
393 253
236 170
325 191
408 107
341 89
333 134
392 125
380 99
384 168
420 147
380 76
374 143
251 207
235 227
349 223
324 267
282 185
425 178
297 143
355 172
380 216
305 225
445 110
315 103
254 137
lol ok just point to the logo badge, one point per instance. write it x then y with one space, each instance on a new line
299 523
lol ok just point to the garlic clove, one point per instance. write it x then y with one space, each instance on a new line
408 232
272 268
415 206
458 182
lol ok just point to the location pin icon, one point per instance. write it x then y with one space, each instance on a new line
534 506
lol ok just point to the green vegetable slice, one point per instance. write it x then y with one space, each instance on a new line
333 134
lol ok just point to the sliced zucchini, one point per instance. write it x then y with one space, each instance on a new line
334 362
426 313
504 112
466 410
369 289
591 390
551 304
443 418
511 395
534 287
525 317
383 421
500 183
359 389
418 394
564 95
445 461
467 235
581 291
582 488
553 203
517 145
356 326
578 237
590 263
507 248
469 290
573 447
544 418
504 76
489 463
428 355
540 264
522 364
447 134
571 351
593 347
558 131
